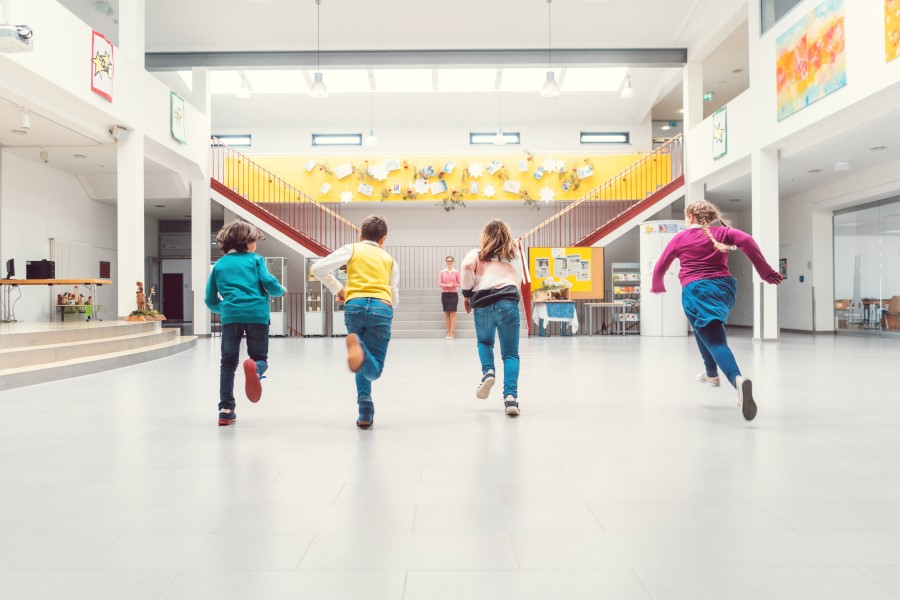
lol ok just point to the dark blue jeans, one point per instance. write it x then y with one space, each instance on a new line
370 319
500 319
715 351
257 348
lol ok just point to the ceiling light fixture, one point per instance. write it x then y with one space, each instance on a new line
79 156
104 8
814 171
878 148
45 157
318 89
245 89
627 91
371 140
550 89
499 139
841 165
24 123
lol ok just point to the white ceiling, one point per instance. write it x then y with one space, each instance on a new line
88 12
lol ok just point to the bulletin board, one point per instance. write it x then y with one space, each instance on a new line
581 267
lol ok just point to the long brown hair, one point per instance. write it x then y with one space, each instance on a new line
497 242
706 213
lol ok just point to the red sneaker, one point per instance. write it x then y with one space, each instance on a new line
253 387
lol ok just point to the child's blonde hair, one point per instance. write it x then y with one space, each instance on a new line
706 213
497 242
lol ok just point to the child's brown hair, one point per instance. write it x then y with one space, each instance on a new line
373 228
497 242
236 236
706 213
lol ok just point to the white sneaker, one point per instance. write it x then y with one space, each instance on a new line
512 406
702 377
745 397
484 388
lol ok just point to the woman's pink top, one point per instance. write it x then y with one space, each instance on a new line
449 280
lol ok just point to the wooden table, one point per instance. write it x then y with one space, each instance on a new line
6 286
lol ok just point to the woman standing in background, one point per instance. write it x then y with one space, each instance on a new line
449 282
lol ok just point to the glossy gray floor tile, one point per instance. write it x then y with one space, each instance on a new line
623 478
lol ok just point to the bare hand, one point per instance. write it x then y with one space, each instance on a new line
340 296
774 278
467 305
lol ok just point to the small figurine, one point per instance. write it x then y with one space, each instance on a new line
150 299
140 299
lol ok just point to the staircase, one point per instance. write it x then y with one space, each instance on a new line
420 316
39 352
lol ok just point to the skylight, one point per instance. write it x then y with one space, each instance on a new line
403 80
594 80
525 80
467 80
346 81
281 81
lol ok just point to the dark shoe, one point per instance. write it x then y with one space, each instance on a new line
745 397
355 353
252 386
227 417
366 415
484 388
512 406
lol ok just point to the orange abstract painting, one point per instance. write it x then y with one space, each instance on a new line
891 29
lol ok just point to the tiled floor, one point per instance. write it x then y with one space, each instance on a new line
623 478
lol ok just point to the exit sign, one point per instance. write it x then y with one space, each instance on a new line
707 97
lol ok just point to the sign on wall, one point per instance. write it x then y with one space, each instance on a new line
810 61
176 117
720 133
102 66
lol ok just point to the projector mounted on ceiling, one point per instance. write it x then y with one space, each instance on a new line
13 38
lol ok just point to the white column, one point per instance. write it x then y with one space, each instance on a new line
200 251
200 87
132 21
692 98
765 223
130 218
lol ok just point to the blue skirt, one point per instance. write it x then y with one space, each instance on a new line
708 300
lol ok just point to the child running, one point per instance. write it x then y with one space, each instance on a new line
709 290
370 296
239 287
491 276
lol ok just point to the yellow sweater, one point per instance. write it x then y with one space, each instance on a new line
369 273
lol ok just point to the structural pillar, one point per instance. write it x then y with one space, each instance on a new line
200 88
132 23
201 241
692 99
765 223
131 263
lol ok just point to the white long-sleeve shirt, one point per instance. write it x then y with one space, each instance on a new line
322 270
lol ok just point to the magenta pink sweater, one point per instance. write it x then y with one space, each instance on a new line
449 281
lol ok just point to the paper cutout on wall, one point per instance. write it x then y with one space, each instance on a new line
392 164
343 170
523 166
584 172
326 187
365 189
176 117
449 166
438 187
310 165
421 186
346 197
547 194
476 170
494 166
102 66
489 191
511 186
473 187
549 164
396 188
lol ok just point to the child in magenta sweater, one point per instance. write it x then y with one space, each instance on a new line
709 291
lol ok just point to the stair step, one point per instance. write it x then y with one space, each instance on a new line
12 358
18 335
33 374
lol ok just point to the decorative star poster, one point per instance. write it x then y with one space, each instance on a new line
176 117
102 66
347 197
720 133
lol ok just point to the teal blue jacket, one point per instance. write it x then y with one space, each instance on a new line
239 287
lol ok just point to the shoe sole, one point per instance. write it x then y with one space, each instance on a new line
748 406
252 387
708 382
484 388
512 411
364 424
355 355
226 422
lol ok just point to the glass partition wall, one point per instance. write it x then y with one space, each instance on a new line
867 268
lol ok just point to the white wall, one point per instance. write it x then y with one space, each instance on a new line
39 203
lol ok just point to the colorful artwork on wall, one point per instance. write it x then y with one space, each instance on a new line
176 117
891 29
810 58
102 66
720 133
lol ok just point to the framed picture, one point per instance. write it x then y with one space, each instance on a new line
176 117
720 133
102 66
104 269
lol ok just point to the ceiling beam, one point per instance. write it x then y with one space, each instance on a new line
581 57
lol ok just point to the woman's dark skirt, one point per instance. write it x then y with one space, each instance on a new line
449 300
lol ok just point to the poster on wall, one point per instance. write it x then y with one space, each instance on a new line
102 66
720 133
176 117
542 268
810 58
891 29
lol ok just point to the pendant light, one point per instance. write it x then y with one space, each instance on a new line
318 89
371 140
627 92
499 139
550 89
245 89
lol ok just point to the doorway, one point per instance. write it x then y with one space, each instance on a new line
173 296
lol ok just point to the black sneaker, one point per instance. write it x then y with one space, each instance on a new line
484 388
512 406
226 417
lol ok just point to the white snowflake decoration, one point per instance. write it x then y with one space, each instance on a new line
561 166
476 170
421 186
378 172
489 191
549 165
547 194
346 197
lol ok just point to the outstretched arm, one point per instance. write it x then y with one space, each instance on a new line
323 267
662 265
748 246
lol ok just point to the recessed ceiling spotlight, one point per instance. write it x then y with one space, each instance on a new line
45 156
878 148
736 71
814 171
841 165
159 205
79 156
735 200
723 81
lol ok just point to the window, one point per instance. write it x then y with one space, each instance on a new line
774 10
478 139
588 137
337 139
236 141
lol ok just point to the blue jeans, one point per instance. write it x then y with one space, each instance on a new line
500 319
370 319
715 351
257 347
